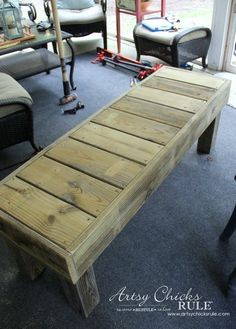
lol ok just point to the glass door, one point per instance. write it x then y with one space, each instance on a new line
230 62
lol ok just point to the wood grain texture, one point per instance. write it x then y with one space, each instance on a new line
83 296
111 222
148 129
117 142
152 111
93 161
37 246
196 78
137 181
85 192
180 87
58 221
167 98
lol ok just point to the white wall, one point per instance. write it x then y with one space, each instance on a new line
220 25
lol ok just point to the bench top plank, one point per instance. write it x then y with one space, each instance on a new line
182 88
82 190
117 142
132 124
157 112
42 212
105 166
167 98
191 77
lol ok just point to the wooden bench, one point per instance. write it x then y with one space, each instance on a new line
66 205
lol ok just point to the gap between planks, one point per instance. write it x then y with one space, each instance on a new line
85 172
55 196
144 128
114 107
181 84
167 98
146 139
112 152
190 77
125 145
40 233
54 206
74 186
161 104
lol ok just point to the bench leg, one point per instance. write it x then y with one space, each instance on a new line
207 140
82 296
27 264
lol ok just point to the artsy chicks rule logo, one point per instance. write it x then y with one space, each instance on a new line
163 298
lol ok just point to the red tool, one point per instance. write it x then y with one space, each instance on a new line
105 56
101 53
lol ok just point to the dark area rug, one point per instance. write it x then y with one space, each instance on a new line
171 245
96 87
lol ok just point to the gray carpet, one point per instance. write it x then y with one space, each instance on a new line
172 241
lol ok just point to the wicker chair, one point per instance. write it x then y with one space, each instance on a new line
175 48
82 22
16 121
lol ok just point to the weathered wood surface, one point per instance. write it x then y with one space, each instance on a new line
82 296
153 111
182 88
127 146
37 246
132 124
166 98
66 205
133 197
105 166
85 192
194 78
42 212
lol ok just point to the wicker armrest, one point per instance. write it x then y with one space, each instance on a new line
11 92
47 9
188 34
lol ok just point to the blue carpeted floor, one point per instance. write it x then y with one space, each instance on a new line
172 241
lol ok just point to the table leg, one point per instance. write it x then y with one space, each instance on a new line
207 140
82 296
72 63
27 264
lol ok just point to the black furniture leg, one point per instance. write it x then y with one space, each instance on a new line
231 291
104 35
204 64
54 46
230 227
137 47
72 63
